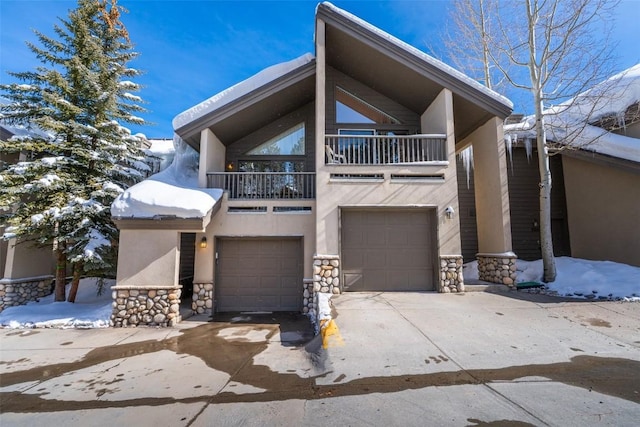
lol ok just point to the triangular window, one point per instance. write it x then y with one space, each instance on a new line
288 143
351 109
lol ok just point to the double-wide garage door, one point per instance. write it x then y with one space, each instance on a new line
388 250
262 274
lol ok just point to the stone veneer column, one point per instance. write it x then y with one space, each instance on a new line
309 303
326 274
497 268
21 291
451 278
144 306
202 298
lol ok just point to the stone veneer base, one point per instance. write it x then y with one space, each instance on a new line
21 291
497 268
451 278
202 302
326 279
145 306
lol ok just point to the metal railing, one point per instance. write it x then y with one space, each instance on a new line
384 149
265 185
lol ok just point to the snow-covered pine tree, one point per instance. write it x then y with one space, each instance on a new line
82 156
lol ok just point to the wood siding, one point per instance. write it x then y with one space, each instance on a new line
524 205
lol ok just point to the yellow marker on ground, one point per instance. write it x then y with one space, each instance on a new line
330 334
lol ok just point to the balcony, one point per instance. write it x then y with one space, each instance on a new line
385 150
265 185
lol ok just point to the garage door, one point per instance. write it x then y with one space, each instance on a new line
388 250
259 274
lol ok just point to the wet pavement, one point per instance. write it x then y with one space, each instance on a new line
477 359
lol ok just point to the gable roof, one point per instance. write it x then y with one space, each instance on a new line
291 83
404 73
360 50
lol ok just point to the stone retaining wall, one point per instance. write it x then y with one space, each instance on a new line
497 268
159 306
451 278
21 291
202 298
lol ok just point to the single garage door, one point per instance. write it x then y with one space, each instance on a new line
259 274
388 250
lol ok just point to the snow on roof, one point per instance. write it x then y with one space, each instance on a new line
238 90
420 54
174 192
569 119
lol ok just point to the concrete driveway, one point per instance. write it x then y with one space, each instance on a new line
403 359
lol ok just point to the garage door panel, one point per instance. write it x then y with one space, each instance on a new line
398 253
259 274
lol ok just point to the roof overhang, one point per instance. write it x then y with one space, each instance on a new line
401 72
198 224
255 109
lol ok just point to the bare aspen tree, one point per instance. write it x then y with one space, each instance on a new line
555 50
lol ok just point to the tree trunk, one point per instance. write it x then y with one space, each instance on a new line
546 238
73 291
61 272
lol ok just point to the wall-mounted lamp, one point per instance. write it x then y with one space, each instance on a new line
449 212
203 243
229 166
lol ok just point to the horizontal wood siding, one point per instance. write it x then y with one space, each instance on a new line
467 214
524 205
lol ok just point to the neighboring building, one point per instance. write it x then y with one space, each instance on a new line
329 173
26 271
596 179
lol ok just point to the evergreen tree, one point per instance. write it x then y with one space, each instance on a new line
80 156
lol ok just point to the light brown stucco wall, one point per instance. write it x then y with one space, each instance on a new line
25 260
268 224
334 194
148 258
491 188
603 207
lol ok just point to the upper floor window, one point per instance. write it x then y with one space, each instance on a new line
288 143
351 109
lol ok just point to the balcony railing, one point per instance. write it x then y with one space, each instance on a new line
384 149
265 185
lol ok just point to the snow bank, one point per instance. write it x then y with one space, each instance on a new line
89 311
173 192
579 278
234 92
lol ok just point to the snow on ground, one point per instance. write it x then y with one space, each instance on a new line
578 278
89 311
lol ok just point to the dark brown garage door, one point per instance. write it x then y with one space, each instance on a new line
388 250
259 274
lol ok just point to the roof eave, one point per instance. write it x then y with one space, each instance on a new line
440 76
190 130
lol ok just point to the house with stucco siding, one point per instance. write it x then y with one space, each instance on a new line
334 172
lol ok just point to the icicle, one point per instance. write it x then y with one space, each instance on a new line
528 147
508 142
466 156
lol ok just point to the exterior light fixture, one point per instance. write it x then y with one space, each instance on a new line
449 212
203 243
230 166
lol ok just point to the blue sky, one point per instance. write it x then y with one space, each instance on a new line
191 50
